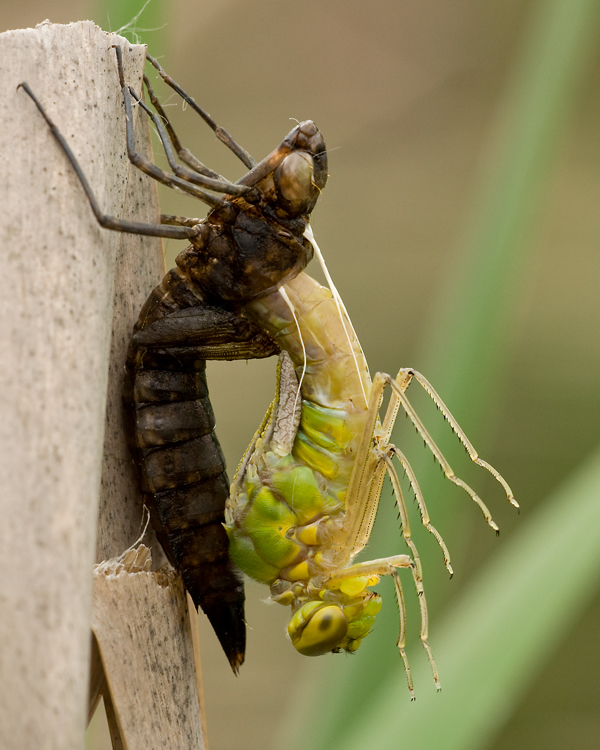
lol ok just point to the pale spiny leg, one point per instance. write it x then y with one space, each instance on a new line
398 387
369 469
401 644
424 634
403 513
408 374
417 570
420 502
387 566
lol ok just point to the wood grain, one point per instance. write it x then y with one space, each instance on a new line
58 464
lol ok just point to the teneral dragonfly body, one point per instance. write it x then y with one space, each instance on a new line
305 495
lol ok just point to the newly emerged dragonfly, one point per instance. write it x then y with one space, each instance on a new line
305 495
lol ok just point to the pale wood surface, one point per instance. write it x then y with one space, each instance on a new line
141 622
56 313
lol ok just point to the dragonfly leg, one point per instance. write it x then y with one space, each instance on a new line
110 222
374 459
412 479
403 379
143 163
399 399
388 566
387 460
220 132
219 184
186 156
179 221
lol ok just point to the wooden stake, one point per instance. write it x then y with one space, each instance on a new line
56 327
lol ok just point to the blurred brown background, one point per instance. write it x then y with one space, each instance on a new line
405 94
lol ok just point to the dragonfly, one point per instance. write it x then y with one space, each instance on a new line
305 495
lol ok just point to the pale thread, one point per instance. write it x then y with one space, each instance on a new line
343 313
288 302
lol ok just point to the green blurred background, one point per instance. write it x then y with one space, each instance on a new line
461 225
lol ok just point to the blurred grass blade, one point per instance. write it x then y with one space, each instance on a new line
468 343
491 644
499 633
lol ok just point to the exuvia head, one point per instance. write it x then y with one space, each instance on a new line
291 177
302 174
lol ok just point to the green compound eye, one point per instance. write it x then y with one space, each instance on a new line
325 628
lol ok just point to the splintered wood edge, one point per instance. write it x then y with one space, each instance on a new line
142 626
193 613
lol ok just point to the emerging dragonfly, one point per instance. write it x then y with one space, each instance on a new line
305 495
251 242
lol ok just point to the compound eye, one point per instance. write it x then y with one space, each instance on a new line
295 183
324 631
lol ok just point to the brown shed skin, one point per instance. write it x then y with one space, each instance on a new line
242 252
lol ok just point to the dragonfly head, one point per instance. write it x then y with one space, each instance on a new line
302 174
319 627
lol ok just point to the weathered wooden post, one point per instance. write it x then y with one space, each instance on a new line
68 494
